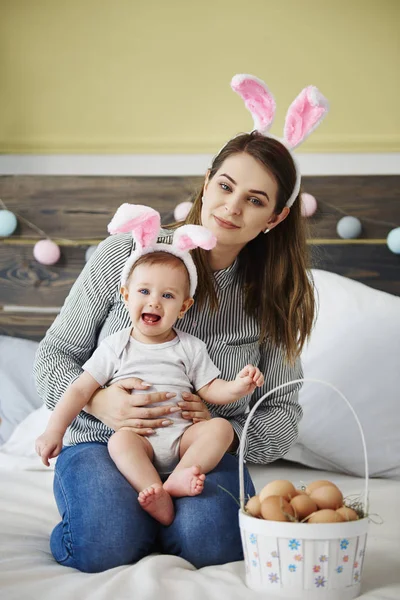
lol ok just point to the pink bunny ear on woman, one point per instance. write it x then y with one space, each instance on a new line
257 99
304 115
188 237
142 221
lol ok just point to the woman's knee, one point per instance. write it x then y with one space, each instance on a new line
89 556
102 525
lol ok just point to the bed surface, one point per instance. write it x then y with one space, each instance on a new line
27 569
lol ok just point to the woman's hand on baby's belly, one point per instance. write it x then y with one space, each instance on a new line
117 407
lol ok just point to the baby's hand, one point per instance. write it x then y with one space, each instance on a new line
249 378
49 445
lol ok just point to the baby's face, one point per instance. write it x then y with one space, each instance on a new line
156 296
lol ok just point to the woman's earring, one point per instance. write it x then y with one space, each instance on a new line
202 199
266 230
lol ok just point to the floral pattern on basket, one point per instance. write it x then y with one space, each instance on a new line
309 564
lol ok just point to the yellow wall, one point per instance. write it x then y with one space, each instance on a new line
150 76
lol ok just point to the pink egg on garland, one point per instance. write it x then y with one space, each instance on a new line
308 204
46 252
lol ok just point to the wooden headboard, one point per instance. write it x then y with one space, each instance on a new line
75 211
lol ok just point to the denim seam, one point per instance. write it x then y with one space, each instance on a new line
68 516
248 483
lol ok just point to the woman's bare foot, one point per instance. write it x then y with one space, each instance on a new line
158 503
185 482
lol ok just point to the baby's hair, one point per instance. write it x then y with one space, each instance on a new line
162 258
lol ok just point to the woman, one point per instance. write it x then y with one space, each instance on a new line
254 304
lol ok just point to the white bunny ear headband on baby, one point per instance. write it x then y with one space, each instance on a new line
144 223
303 116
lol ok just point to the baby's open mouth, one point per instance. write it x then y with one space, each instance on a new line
150 318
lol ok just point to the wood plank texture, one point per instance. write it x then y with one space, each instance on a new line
373 265
369 198
25 325
76 210
25 282
81 207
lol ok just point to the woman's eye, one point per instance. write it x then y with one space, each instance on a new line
225 187
144 291
256 201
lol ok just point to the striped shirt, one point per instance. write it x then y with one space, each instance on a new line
94 309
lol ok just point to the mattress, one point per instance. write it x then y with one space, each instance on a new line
28 571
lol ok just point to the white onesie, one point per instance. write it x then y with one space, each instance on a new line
181 365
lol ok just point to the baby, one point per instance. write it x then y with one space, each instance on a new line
158 284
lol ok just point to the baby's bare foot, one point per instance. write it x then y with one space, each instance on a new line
185 482
158 503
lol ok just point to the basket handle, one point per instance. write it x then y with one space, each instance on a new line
279 387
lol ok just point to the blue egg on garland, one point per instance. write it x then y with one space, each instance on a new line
8 223
393 240
349 228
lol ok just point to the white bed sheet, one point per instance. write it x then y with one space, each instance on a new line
28 571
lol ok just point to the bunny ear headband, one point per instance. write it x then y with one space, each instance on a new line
303 116
144 224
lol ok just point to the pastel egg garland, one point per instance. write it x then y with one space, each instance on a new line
45 251
349 227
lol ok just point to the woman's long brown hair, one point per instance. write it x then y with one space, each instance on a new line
278 288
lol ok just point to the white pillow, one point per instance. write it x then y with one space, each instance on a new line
18 453
18 397
355 345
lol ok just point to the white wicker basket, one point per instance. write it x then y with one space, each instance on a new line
301 560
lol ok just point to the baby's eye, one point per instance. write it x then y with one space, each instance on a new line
167 295
144 291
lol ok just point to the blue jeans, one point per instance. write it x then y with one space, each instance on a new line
103 525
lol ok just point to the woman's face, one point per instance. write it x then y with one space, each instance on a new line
239 201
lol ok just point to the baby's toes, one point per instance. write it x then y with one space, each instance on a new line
157 491
147 492
199 486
